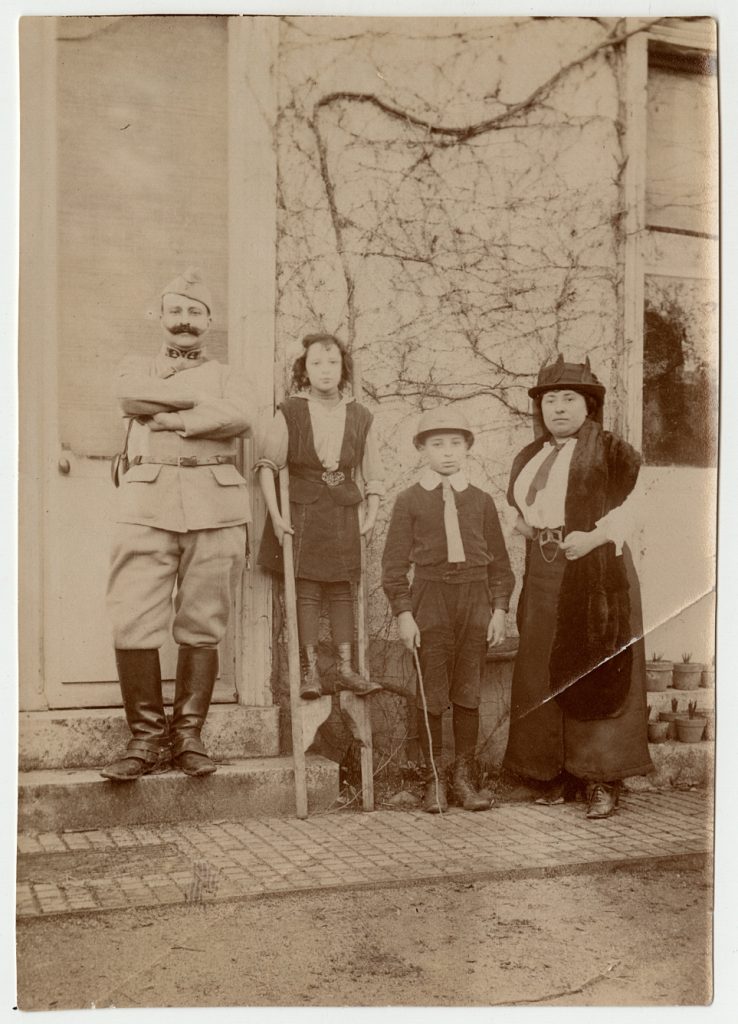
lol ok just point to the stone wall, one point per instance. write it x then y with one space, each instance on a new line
449 202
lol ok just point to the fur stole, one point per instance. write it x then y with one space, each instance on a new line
591 655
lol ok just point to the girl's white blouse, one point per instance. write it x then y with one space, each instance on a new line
328 424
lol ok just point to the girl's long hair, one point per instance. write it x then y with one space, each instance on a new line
300 379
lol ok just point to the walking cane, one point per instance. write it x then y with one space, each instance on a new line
360 709
293 650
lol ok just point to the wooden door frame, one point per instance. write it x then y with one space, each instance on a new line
37 334
253 44
252 190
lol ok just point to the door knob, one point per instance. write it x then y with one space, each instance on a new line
64 466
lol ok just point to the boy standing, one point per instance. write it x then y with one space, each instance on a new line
449 531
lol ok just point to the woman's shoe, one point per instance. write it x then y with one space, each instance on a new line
602 799
561 790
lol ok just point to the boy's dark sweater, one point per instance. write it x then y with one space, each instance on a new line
417 536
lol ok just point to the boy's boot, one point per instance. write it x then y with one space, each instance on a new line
466 730
347 678
140 685
310 688
435 798
197 668
466 795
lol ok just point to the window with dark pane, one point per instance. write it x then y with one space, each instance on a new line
680 336
679 372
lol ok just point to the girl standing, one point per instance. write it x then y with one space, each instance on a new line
323 437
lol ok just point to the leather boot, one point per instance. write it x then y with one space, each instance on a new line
197 668
310 688
148 748
435 800
347 678
602 799
466 795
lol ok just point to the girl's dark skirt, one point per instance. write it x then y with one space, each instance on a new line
326 546
543 739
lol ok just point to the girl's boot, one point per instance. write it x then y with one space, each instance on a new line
347 678
310 688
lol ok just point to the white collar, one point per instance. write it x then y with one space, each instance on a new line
345 399
552 443
430 480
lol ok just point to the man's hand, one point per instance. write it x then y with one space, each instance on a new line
496 628
281 528
578 544
409 632
166 421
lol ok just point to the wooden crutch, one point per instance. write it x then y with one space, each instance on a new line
293 650
356 708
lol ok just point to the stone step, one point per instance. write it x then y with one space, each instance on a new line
660 700
54 801
92 737
678 766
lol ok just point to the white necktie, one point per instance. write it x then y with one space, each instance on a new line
454 542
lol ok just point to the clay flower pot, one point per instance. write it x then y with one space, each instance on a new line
670 718
658 732
690 730
708 676
658 675
687 675
709 733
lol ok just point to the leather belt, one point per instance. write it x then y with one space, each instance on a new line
331 477
547 536
184 461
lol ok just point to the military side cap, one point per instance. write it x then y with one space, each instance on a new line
561 376
190 284
445 419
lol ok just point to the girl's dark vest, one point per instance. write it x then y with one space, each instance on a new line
308 478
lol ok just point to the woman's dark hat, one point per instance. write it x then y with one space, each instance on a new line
561 376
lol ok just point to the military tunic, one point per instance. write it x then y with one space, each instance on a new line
179 523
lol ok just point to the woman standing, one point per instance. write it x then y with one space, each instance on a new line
578 705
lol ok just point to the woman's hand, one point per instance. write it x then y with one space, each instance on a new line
281 528
496 629
522 527
578 544
409 632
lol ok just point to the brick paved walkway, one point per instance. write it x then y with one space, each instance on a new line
74 872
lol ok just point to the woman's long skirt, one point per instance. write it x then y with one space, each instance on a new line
543 739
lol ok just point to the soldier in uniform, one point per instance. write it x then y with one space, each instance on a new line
181 520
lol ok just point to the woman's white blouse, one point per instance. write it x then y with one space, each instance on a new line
548 509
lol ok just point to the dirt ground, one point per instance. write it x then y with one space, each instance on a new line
632 937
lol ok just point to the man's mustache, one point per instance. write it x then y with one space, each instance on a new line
185 329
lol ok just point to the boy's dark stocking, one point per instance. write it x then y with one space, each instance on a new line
466 731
